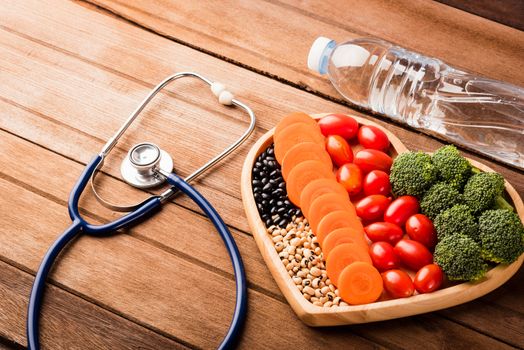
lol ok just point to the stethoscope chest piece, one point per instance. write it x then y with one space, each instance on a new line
141 166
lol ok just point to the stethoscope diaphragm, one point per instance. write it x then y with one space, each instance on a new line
140 168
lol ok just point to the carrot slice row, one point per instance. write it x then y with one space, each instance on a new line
295 134
304 173
335 220
317 188
302 152
342 256
293 118
360 283
341 236
325 204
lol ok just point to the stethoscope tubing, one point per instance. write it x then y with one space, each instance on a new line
80 226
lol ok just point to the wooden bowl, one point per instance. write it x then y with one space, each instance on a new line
381 310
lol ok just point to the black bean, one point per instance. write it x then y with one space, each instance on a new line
269 190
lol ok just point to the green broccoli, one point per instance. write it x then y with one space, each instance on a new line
483 191
412 173
501 236
456 220
460 258
439 197
451 166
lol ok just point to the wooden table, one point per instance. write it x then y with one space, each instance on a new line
71 72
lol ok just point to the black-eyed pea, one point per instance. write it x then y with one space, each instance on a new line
278 238
324 300
337 292
318 251
318 303
328 304
306 282
285 262
337 301
291 273
313 299
303 262
300 287
332 287
318 293
315 271
279 246
297 280
309 290
302 274
307 296
331 296
295 269
328 282
324 290
315 283
283 255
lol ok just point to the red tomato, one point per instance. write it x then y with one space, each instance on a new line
376 182
371 159
338 124
401 209
429 278
339 150
350 176
398 283
420 228
413 254
372 137
384 231
371 208
383 256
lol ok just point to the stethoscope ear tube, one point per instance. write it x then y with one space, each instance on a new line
238 266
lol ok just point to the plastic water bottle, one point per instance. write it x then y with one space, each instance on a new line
482 114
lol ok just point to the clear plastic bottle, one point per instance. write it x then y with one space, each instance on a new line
481 114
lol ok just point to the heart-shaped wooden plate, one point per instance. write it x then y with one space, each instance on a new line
381 310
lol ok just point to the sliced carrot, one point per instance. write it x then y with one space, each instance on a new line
303 174
302 152
325 204
317 188
295 134
360 283
341 236
342 256
292 118
335 220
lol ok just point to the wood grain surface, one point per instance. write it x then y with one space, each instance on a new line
71 72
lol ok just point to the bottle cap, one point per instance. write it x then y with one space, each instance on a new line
317 59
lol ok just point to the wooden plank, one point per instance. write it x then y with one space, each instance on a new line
45 160
508 12
87 325
285 30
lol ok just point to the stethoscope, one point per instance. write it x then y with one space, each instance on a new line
146 166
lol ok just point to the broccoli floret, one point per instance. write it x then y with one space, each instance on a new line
439 197
460 258
456 220
412 174
451 166
501 236
483 191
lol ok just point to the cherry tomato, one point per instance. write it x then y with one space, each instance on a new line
429 278
372 137
384 231
350 176
339 150
339 124
398 283
371 208
383 256
401 209
413 254
371 159
376 182
420 228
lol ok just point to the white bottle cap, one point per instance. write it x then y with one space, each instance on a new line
319 53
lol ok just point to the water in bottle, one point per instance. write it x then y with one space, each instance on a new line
482 114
